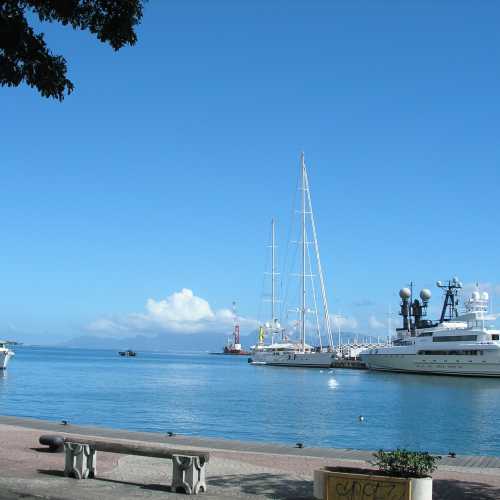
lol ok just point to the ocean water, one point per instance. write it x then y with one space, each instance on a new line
224 396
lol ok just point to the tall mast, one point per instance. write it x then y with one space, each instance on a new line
326 311
304 254
273 274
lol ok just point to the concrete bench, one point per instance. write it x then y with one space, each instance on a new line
188 473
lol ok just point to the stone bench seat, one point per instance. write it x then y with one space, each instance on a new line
188 473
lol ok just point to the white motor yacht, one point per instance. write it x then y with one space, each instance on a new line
459 343
5 355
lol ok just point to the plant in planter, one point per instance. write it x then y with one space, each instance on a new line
405 463
402 475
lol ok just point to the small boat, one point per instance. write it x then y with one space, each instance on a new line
5 354
128 354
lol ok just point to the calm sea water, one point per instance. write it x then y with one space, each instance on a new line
222 396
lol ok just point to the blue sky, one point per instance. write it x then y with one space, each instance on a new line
162 170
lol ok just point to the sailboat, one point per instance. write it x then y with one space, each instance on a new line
285 352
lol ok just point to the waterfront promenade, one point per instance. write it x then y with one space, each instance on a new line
236 470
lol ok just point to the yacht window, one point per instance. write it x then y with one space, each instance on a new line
495 336
426 334
449 353
454 338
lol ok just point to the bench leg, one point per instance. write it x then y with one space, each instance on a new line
188 474
80 461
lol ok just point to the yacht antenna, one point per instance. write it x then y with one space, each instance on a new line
450 301
410 309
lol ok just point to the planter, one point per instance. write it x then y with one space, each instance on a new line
346 483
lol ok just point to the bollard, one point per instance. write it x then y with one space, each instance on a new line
80 460
54 442
188 474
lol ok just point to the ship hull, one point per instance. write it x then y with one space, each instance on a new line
299 359
4 359
469 366
239 353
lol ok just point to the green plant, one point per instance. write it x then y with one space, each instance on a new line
405 463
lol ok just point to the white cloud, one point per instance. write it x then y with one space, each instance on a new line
106 325
344 322
376 324
491 288
180 312
363 303
180 307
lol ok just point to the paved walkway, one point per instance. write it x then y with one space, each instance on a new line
236 470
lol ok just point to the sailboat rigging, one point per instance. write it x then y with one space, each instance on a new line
298 353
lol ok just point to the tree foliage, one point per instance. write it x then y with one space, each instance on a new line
24 55
405 463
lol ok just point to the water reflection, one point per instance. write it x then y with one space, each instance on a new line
436 413
332 383
224 397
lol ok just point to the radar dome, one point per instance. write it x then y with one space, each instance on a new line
405 293
485 296
425 294
475 295
439 283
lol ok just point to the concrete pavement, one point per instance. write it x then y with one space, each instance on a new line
236 470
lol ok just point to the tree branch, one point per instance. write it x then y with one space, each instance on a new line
24 56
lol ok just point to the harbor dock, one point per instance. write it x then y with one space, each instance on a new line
237 470
354 364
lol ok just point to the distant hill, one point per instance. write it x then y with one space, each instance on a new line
204 342
172 342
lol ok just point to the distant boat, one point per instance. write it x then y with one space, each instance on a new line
5 354
128 354
298 353
233 346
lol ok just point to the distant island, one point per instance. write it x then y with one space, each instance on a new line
205 342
